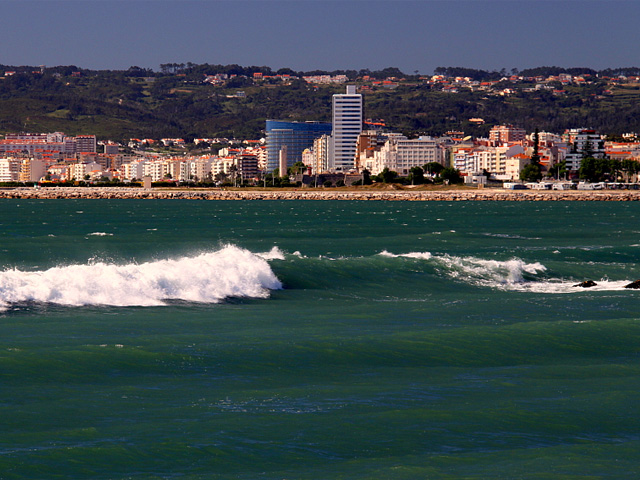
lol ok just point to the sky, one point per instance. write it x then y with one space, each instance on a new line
414 36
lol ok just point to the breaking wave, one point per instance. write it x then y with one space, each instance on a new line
510 275
208 277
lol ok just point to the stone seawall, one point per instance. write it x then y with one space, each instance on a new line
394 195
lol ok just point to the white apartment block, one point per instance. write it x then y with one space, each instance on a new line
222 166
347 125
514 166
580 141
10 169
492 159
322 153
200 169
400 154
132 170
156 169
80 170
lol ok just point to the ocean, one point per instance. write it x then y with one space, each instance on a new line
168 339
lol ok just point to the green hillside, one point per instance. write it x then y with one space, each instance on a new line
139 103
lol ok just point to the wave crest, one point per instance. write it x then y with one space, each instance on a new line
209 278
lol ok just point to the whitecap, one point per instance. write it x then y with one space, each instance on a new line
209 277
274 254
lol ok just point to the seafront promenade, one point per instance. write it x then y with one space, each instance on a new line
313 194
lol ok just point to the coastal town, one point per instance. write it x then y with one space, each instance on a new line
351 150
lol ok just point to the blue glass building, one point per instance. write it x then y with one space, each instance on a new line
296 136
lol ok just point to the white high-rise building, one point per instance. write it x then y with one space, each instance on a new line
347 126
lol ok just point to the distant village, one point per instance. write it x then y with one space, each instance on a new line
346 151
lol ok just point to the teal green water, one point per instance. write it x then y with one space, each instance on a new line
318 340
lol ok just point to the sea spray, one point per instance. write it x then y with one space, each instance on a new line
209 277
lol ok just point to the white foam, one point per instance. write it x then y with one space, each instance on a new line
418 255
509 275
490 271
209 277
517 275
274 254
101 234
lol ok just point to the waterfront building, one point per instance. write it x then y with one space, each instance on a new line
32 170
582 142
347 126
322 151
369 142
156 169
132 170
514 166
400 154
247 166
296 136
10 169
80 170
200 169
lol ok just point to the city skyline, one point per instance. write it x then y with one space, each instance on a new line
415 36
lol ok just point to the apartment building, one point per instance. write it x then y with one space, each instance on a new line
347 126
582 142
10 169
506 134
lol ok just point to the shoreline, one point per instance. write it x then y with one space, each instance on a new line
89 193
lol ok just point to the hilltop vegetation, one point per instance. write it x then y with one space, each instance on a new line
176 102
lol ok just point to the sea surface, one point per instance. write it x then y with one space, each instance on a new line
319 340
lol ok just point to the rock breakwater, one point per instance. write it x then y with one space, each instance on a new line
251 194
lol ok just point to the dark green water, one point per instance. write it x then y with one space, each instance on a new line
318 340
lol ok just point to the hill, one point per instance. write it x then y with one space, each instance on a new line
177 102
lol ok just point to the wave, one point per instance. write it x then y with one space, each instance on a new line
510 275
209 277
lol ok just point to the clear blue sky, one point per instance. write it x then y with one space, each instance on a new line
321 34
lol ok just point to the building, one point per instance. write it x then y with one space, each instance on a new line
10 169
86 144
400 154
347 126
369 142
80 171
506 134
582 142
322 151
296 136
32 170
111 148
247 167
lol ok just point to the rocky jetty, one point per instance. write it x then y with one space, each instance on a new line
313 194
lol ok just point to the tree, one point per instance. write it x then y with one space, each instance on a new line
388 176
630 168
594 169
451 175
432 168
366 177
535 157
416 176
558 171
531 173
298 167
